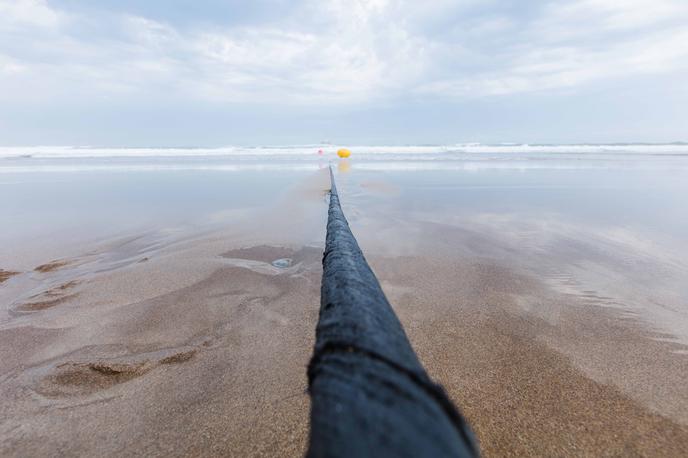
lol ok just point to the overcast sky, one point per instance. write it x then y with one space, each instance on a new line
221 72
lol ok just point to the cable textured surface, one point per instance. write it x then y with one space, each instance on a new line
370 396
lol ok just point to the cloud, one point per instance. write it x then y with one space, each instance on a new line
28 13
569 44
9 66
338 52
609 15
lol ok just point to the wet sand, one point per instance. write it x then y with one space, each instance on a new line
198 345
6 275
523 397
213 368
217 367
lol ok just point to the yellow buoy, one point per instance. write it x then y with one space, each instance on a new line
343 153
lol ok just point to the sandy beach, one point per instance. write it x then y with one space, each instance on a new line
212 214
195 342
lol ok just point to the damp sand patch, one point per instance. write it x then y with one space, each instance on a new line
51 266
6 275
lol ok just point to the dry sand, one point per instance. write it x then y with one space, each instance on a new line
200 348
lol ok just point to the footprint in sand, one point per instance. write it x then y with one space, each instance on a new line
50 298
74 378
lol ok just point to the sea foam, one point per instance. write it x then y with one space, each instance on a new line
427 151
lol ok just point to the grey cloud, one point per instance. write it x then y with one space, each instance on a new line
334 56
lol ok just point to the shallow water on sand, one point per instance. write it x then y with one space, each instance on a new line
622 229
42 208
